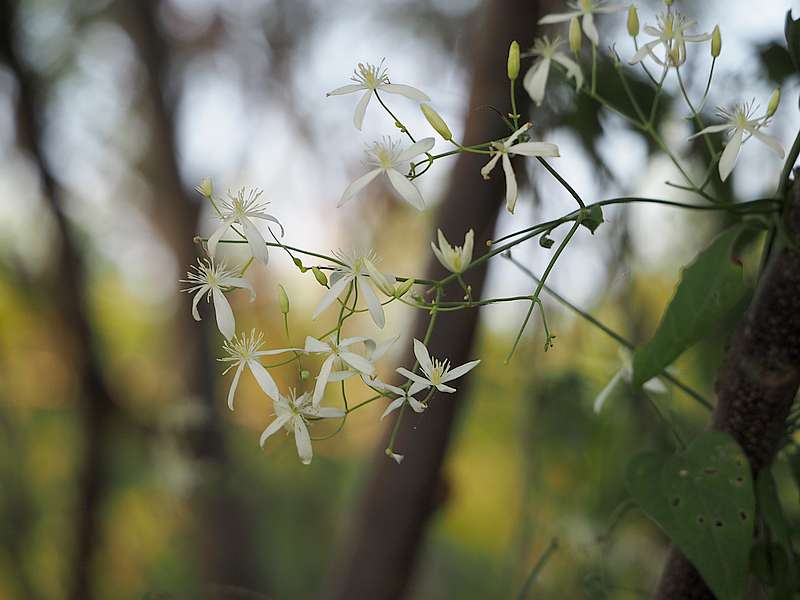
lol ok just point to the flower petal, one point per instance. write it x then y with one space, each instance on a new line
303 441
407 190
416 405
418 386
274 427
573 69
711 129
405 90
535 149
328 412
393 405
203 290
770 141
511 184
346 89
423 357
487 168
459 371
217 236
224 314
359 363
322 380
332 294
421 147
358 185
373 304
445 388
264 379
315 345
535 80
234 384
417 379
361 109
256 242
607 391
558 17
728 159
589 29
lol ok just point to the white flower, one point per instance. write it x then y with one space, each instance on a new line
244 351
386 156
535 80
373 351
387 283
336 351
372 78
212 279
671 34
354 270
454 259
293 413
503 149
739 121
238 209
622 381
437 372
586 9
403 396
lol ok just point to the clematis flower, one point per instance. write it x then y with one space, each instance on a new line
403 396
585 10
622 380
740 121
454 259
503 149
371 78
244 351
386 156
293 412
436 372
387 283
336 351
213 279
535 80
373 351
238 209
354 270
671 35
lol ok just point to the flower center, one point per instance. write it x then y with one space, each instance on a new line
586 6
371 76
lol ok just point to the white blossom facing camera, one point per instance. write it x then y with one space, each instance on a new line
503 149
387 156
354 269
244 351
293 412
403 396
535 80
212 280
371 78
671 35
454 258
436 372
241 210
336 351
585 10
741 120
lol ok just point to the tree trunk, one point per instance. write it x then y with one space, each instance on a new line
756 384
389 521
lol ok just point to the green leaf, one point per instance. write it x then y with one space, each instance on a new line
709 288
703 500
781 552
792 32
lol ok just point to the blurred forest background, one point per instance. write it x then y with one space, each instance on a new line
122 473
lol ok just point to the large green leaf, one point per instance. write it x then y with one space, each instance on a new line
703 500
710 287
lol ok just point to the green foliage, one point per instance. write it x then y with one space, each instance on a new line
774 563
703 500
792 32
710 287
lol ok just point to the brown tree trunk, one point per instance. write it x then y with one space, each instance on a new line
756 384
389 521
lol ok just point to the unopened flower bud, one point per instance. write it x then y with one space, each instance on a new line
513 60
437 122
675 56
283 300
206 187
633 21
305 375
668 2
299 264
774 101
320 276
716 42
575 37
402 288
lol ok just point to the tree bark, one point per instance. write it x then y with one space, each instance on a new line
756 384
389 521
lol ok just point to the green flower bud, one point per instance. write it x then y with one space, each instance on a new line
513 61
206 187
283 300
633 21
716 42
320 277
305 375
402 288
299 264
774 101
575 37
437 122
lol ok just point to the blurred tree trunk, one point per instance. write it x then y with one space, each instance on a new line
68 281
379 553
756 384
222 534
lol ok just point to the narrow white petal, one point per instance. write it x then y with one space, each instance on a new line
264 379
469 240
361 109
393 405
655 386
606 392
558 17
589 29
240 282
459 371
770 141
511 184
256 242
373 304
423 357
303 441
643 52
346 89
535 80
487 168
331 295
322 380
225 320
535 149
421 147
269 218
446 388
344 343
235 384
315 345
513 137
417 379
217 236
359 363
728 159
203 290
711 129
445 263
573 69
416 405
405 90
418 386
407 190
358 185
274 427
328 412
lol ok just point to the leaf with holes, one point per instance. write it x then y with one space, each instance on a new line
703 500
710 287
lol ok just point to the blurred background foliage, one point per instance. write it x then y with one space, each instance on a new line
111 111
